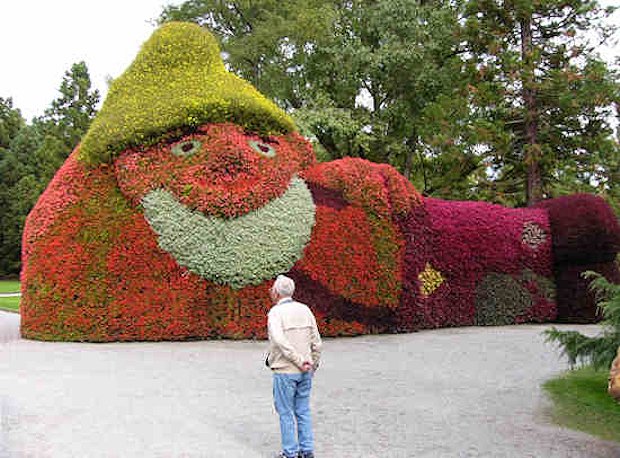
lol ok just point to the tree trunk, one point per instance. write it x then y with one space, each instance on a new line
531 149
409 163
617 107
412 150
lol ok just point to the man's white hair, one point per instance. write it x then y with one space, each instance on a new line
284 286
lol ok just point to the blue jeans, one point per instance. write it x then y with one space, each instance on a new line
291 396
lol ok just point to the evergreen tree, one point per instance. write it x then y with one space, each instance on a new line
11 122
597 351
66 120
33 154
547 96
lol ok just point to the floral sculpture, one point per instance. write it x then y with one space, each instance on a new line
191 192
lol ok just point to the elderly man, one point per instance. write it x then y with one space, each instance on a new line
294 352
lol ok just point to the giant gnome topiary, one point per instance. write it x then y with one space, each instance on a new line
191 192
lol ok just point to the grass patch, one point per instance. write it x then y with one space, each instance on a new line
10 304
9 286
581 402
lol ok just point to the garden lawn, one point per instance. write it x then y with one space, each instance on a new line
10 304
9 286
581 402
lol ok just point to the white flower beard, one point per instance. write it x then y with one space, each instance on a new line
241 251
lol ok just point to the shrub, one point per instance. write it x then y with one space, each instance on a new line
477 247
584 228
597 351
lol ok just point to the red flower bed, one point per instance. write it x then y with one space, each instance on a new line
576 304
63 190
356 249
100 276
380 258
378 188
586 236
415 312
585 229
96 272
470 240
341 255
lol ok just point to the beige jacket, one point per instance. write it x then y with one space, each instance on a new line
293 337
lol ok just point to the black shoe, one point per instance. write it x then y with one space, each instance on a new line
306 454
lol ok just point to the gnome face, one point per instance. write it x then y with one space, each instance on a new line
209 161
225 203
220 170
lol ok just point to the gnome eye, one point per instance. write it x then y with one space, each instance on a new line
186 148
262 148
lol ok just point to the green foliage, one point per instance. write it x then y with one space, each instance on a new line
11 122
34 152
500 299
597 351
178 81
337 132
386 83
581 402
69 116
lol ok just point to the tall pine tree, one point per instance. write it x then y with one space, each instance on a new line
546 95
33 154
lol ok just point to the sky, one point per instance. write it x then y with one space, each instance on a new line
41 40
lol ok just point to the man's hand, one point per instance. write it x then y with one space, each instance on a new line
306 366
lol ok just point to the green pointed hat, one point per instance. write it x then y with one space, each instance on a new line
177 81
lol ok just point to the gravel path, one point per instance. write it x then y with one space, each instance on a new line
466 392
9 327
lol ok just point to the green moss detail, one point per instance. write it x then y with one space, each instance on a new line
544 286
385 242
177 82
500 299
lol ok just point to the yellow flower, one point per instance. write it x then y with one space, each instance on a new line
430 280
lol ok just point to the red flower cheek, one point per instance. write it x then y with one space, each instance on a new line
341 256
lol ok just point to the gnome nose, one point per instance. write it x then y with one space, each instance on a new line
231 163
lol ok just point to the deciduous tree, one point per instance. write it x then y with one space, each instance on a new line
364 78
